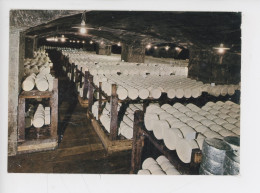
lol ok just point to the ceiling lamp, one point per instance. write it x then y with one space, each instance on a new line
63 39
51 39
83 42
56 39
118 44
73 41
78 41
221 49
155 47
148 46
167 48
91 42
82 27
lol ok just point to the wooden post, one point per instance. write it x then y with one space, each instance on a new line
196 157
85 88
76 74
138 142
99 100
80 77
114 114
72 72
90 92
21 119
54 109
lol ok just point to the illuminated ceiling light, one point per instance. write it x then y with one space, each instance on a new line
118 44
73 41
62 39
55 39
177 48
102 43
78 41
155 47
148 46
167 48
70 40
221 49
91 42
83 30
50 39
83 42
83 27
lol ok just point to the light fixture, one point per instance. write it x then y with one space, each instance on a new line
62 39
118 44
167 48
177 48
221 49
56 39
82 27
155 47
73 41
148 46
91 42
70 40
51 39
78 41
83 42
102 43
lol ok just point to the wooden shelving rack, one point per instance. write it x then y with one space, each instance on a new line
26 146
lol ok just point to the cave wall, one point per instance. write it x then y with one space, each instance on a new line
208 66
20 22
133 53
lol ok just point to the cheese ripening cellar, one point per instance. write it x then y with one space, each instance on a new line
124 92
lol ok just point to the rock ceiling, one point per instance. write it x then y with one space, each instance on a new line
200 29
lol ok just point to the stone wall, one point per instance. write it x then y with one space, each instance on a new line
16 56
209 66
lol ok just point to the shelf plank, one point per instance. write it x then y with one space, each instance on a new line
35 94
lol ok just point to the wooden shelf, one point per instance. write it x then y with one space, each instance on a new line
139 136
35 145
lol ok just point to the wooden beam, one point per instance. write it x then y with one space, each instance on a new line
90 92
114 114
85 88
54 110
21 119
99 100
138 142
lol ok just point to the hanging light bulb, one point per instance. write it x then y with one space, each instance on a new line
118 44
83 42
221 49
78 41
155 47
55 39
167 48
83 30
63 39
148 46
91 42
102 43
73 41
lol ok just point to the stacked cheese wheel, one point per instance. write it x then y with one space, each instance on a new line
142 80
125 126
183 128
231 165
213 151
39 63
160 166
